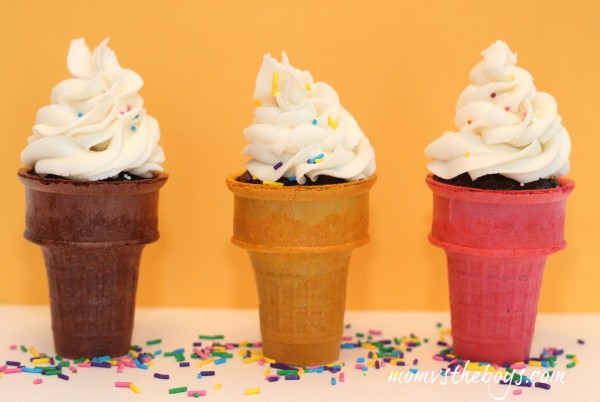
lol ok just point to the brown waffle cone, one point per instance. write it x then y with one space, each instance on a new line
92 235
300 240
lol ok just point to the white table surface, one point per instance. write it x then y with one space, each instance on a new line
30 326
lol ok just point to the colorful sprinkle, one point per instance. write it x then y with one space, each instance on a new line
258 103
517 392
196 394
154 342
333 381
133 128
507 108
38 381
122 384
278 165
331 123
135 388
307 86
580 341
314 122
272 183
493 94
469 121
79 114
161 376
177 390
218 386
252 391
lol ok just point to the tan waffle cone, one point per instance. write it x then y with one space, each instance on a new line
300 239
92 235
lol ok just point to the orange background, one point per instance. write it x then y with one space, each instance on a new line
398 67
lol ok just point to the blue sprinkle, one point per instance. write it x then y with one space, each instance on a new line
292 178
79 114
158 352
32 370
319 369
414 370
179 351
333 381
137 115
199 376
347 346
221 360
360 360
365 368
314 122
133 128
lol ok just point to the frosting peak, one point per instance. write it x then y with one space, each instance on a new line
301 130
96 126
505 126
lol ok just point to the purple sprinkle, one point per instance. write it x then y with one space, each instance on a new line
197 344
387 359
63 377
282 366
207 373
347 326
184 364
400 363
334 369
385 342
542 385
101 364
370 355
292 377
161 376
13 363
415 362
442 343
377 365
272 378
579 341
278 165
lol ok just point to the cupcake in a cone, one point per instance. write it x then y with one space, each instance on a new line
301 207
92 180
499 206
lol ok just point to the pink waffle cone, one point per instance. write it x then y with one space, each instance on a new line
496 243
300 239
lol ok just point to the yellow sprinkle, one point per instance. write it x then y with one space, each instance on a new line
575 360
371 363
331 123
267 360
135 388
450 355
219 348
272 183
319 160
300 371
467 154
254 177
535 363
475 367
275 79
218 386
394 361
512 77
243 344
445 331
209 360
252 359
34 352
134 354
258 103
307 86
333 364
411 339
41 361
252 391
150 363
267 372
199 364
369 346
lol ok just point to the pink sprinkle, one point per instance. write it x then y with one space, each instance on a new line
128 108
438 358
346 338
454 361
228 346
342 377
258 344
359 366
73 369
375 332
122 384
2 368
13 371
517 392
13 347
261 362
518 366
382 364
38 381
507 108
200 393
84 364
129 364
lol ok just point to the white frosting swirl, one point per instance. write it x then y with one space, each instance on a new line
296 121
96 126
505 126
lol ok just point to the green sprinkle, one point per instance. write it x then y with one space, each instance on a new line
154 342
439 325
221 354
177 390
550 358
23 348
369 337
80 360
287 372
179 357
426 340
396 341
570 365
169 354
59 358
64 364
550 372
570 356
446 351
360 335
194 356
211 337
134 347
510 370
386 349
52 372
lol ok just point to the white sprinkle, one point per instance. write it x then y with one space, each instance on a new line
522 184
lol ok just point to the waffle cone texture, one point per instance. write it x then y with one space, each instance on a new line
496 244
300 239
91 235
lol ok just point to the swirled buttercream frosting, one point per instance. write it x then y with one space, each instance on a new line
96 126
301 131
505 126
